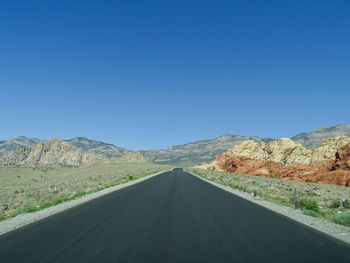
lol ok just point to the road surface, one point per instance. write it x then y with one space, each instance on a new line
173 217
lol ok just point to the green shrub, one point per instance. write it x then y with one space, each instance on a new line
79 194
46 205
335 203
343 219
309 204
310 213
2 216
29 208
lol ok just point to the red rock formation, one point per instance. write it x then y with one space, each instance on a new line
328 171
342 159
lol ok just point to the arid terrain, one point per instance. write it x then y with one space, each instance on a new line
319 200
30 189
35 174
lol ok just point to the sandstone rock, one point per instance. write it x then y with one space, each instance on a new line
330 163
54 153
251 149
328 148
277 150
342 159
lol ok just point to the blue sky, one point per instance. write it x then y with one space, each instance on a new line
150 74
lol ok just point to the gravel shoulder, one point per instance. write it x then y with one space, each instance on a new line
28 218
337 231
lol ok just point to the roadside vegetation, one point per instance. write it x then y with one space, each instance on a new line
26 190
329 202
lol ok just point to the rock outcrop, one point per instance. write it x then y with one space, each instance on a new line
285 159
54 153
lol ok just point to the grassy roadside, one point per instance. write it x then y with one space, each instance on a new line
317 200
27 190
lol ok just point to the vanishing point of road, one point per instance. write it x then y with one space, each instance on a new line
172 217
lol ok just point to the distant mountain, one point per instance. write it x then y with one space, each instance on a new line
16 143
107 149
314 139
196 152
188 154
53 153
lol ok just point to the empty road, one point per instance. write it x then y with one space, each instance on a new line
173 217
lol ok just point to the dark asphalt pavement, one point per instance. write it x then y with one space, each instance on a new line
173 217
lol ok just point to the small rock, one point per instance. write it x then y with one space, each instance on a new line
5 207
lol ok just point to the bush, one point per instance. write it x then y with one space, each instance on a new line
2 216
346 204
309 204
335 203
343 219
310 213
29 208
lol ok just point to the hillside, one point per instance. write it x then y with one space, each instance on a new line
195 152
314 139
53 153
110 150
16 143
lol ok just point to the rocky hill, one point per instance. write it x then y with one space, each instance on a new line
189 154
16 143
110 150
195 152
285 159
54 153
314 139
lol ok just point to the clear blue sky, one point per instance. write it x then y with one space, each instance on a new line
150 74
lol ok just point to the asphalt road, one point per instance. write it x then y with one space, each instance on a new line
173 217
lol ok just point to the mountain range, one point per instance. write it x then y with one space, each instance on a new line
314 139
188 154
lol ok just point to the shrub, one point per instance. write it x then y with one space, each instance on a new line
79 194
343 219
309 204
310 213
335 203
29 208
2 216
346 204
295 201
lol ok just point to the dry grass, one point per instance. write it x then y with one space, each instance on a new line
314 199
31 189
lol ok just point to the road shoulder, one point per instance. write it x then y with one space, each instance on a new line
334 230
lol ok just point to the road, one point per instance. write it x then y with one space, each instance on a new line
173 217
